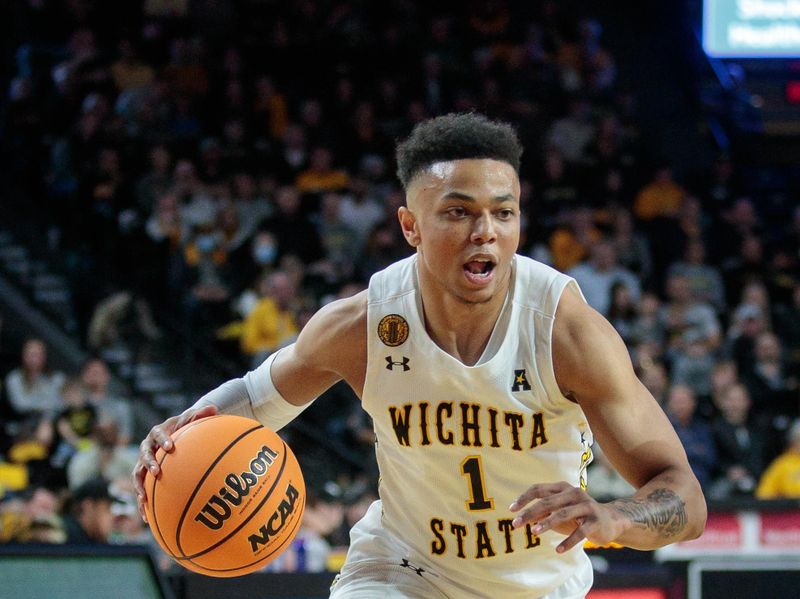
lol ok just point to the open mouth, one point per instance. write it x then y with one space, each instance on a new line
479 271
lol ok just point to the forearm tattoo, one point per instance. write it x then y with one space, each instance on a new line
662 512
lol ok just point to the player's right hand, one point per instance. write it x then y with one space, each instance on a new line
160 436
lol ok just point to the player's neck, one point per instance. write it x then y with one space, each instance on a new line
459 328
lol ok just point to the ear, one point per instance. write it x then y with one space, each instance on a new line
408 223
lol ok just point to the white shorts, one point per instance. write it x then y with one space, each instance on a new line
377 568
384 580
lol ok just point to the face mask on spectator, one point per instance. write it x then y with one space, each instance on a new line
265 253
206 243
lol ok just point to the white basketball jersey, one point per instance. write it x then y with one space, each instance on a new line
457 444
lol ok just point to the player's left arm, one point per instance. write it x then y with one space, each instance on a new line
592 367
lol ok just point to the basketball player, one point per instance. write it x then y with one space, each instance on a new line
487 377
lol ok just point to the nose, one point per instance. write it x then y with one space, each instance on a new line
483 230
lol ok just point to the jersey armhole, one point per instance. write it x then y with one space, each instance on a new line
547 367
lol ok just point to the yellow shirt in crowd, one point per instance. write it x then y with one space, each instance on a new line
660 198
782 478
267 327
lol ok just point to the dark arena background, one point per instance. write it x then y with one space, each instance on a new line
185 182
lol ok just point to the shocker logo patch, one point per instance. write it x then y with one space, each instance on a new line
393 330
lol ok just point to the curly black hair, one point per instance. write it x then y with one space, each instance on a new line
456 136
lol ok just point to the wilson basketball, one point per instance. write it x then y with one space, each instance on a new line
229 499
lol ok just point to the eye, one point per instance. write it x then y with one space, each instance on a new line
505 213
457 211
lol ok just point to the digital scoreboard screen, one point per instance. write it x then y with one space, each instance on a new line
751 28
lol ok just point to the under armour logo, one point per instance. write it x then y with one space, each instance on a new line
520 381
405 564
390 364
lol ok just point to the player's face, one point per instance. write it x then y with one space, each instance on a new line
463 218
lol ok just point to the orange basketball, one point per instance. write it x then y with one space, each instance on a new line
229 499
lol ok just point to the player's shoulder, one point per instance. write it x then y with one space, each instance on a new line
538 286
583 338
395 280
342 316
336 333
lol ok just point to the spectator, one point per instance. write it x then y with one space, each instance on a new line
106 457
721 185
693 432
185 72
781 480
647 327
167 233
558 190
249 264
356 497
610 162
253 207
340 241
787 325
724 375
772 384
384 245
320 175
213 164
127 527
739 223
571 134
633 250
654 378
747 324
600 273
235 233
309 551
75 422
111 317
88 519
741 445
705 281
31 516
33 387
360 210
660 198
292 227
105 198
13 478
128 71
97 378
209 280
755 293
271 323
156 182
269 109
570 242
292 155
196 205
744 267
682 314
622 312
692 365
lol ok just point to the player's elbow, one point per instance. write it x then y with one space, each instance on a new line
698 514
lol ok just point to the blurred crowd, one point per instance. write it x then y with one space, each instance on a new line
229 167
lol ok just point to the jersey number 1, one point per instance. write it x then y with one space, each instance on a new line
472 468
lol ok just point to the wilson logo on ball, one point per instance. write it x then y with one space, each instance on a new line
230 497
218 508
276 521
